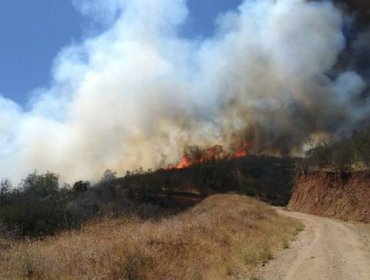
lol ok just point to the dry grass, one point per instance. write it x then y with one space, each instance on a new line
224 237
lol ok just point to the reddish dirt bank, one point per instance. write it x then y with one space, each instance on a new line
345 197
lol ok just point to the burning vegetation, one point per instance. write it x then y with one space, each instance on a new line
195 155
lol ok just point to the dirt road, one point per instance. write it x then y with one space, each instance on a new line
326 250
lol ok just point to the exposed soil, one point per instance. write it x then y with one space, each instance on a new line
326 249
346 197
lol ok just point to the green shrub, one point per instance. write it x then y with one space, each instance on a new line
38 208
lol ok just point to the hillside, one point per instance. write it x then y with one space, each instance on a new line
224 237
41 205
343 196
265 177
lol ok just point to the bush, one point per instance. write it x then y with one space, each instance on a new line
342 154
81 186
38 208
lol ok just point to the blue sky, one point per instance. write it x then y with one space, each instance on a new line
33 32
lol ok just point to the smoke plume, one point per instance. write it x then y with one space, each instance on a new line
275 74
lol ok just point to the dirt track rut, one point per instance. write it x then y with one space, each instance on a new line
326 250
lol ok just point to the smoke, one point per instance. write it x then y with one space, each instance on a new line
138 93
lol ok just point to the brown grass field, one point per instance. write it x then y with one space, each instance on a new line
224 237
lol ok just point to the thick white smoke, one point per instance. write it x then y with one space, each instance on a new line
135 95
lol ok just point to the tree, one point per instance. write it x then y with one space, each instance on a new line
39 208
108 176
5 187
80 186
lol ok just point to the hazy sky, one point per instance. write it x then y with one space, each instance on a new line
33 32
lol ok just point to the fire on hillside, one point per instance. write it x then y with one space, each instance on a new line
195 155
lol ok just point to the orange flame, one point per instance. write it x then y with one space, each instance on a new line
213 153
184 162
242 151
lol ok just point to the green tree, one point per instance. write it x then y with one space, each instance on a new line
39 207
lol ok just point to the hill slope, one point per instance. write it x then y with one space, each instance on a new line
224 237
345 196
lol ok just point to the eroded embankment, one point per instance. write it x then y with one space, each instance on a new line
343 196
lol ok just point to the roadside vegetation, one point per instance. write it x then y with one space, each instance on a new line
223 237
342 154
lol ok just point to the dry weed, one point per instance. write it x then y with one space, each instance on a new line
224 237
